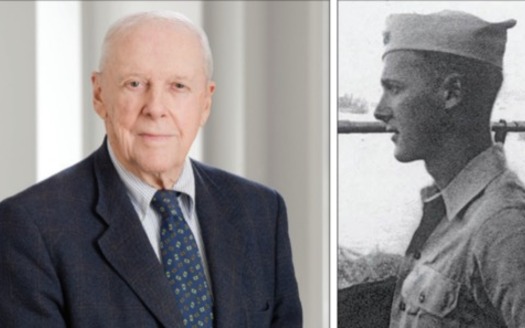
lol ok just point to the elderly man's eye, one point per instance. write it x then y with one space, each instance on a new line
134 84
179 86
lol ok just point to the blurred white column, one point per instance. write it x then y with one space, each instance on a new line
17 96
224 133
59 99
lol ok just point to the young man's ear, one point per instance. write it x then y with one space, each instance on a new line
453 90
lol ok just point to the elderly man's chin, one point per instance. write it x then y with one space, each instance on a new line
159 165
152 160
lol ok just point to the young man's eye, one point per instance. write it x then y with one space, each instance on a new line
393 89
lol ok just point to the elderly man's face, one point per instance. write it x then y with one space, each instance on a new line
411 106
153 95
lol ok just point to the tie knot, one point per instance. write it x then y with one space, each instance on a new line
165 203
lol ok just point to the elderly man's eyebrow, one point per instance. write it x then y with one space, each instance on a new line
127 75
181 77
132 74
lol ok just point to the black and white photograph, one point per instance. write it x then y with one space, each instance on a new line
431 164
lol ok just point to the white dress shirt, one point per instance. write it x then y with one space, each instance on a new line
141 194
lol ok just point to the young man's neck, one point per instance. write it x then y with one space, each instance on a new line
445 165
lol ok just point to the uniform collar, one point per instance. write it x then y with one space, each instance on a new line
470 181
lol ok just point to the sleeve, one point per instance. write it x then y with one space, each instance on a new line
29 287
500 258
287 311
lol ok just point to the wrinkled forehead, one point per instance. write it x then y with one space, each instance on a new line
152 35
171 33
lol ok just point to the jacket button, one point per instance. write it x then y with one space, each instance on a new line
402 306
417 255
422 297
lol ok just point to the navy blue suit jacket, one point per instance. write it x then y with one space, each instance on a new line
73 253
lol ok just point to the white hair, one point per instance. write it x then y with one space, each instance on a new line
171 17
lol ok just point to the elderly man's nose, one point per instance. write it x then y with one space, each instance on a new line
155 103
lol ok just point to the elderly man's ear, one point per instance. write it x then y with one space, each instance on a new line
207 106
453 90
97 95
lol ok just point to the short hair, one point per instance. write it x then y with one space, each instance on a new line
481 81
175 18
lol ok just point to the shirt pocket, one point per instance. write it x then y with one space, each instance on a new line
427 291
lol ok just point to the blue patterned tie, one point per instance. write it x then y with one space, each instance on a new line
182 262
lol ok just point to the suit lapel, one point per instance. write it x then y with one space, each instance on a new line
224 244
127 248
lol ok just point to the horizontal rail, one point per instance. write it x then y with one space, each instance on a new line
379 127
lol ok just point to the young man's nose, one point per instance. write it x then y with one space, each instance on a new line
382 112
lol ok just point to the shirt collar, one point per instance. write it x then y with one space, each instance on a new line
186 186
142 193
470 181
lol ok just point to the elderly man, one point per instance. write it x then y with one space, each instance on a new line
464 266
137 234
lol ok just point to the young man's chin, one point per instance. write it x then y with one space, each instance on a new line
403 156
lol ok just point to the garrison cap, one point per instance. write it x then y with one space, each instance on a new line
447 31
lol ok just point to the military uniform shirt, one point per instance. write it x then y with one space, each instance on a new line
470 272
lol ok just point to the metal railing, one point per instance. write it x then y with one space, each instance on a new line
500 128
